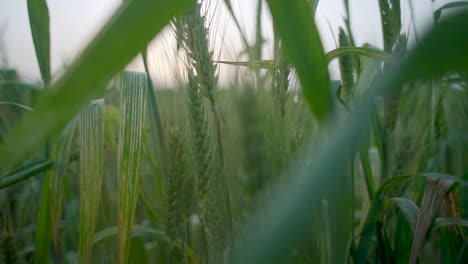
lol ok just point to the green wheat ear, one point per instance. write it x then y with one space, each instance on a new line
346 66
132 107
281 84
198 51
91 130
201 143
178 188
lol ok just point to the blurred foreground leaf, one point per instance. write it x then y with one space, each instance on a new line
133 25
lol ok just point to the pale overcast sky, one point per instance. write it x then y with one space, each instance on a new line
75 22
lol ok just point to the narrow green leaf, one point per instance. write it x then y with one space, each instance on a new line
367 169
39 22
132 107
445 222
330 56
433 196
91 130
303 48
370 224
60 154
369 227
24 107
409 209
44 225
133 25
361 51
136 230
263 64
25 172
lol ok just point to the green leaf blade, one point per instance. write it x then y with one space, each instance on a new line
39 23
91 129
133 103
304 50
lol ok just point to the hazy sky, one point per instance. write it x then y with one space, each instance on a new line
75 22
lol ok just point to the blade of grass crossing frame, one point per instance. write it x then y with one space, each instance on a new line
128 31
38 13
132 105
61 156
91 130
25 172
361 51
303 48
39 22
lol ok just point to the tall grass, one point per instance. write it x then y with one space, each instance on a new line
369 168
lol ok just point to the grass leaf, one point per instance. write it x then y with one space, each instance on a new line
91 129
44 225
446 222
25 172
60 154
39 22
433 197
133 101
303 48
136 230
409 209
361 51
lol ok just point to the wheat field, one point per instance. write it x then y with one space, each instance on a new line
285 165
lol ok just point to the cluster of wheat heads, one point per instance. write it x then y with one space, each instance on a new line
371 168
